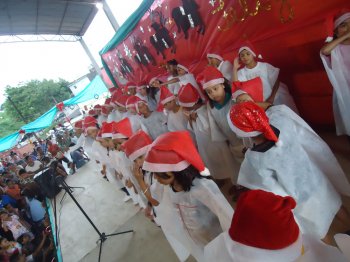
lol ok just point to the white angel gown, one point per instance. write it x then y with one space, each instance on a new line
114 116
226 68
269 75
202 214
337 66
303 167
216 155
175 87
219 116
155 124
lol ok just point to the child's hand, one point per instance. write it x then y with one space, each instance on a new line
236 63
128 183
137 172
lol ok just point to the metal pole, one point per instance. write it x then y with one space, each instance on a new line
110 16
20 114
92 59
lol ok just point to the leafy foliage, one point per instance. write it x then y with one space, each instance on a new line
33 99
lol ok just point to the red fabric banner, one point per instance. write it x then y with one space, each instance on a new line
287 33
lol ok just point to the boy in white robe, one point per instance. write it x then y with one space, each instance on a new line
274 91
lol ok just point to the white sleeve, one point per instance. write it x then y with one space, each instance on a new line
241 76
272 73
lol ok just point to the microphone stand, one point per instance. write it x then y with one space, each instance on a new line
102 236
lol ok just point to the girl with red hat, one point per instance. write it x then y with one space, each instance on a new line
204 211
212 144
336 60
171 67
176 120
286 160
224 66
153 92
153 122
159 206
274 91
115 114
184 78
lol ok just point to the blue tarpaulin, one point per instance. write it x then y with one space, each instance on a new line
8 141
92 91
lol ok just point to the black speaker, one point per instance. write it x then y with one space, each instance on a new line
46 181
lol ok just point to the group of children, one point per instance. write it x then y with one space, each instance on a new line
171 146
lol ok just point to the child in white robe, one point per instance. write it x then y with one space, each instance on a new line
215 154
274 91
224 66
185 77
220 102
279 163
336 60
176 120
204 211
158 210
115 114
153 122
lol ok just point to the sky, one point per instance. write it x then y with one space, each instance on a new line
22 62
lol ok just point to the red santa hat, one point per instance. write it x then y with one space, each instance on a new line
107 102
173 152
188 96
122 129
107 129
216 56
183 67
210 76
247 119
249 47
137 145
78 124
333 21
263 228
116 94
340 19
121 100
165 95
253 87
153 79
112 89
130 85
89 123
104 111
92 112
97 107
132 101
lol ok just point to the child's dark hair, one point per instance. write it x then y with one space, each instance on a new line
186 177
22 171
227 88
152 91
172 62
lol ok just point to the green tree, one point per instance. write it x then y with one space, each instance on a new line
33 99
